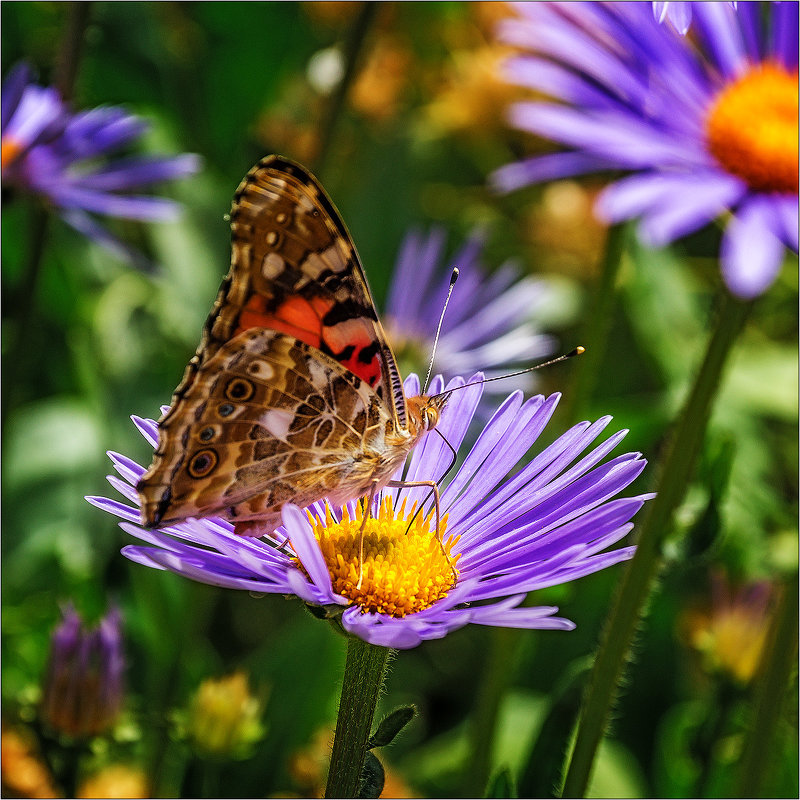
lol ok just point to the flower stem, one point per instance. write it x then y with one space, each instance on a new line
778 662
494 682
629 603
598 325
352 55
364 673
69 53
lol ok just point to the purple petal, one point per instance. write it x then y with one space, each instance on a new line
784 42
722 36
126 467
19 76
304 543
148 428
751 252
134 172
139 207
680 15
115 507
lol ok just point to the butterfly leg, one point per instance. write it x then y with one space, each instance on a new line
433 486
367 513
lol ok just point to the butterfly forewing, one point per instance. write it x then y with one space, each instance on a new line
294 327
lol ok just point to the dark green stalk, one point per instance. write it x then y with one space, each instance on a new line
65 72
69 54
629 603
483 724
364 673
778 662
352 55
598 324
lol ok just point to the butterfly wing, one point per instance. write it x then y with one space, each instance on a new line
294 271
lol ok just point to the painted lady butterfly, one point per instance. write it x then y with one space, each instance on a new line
294 393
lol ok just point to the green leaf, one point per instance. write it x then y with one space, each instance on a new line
502 785
372 778
390 726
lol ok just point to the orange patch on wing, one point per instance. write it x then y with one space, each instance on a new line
296 317
355 333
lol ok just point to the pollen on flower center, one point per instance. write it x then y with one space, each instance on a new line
752 129
405 569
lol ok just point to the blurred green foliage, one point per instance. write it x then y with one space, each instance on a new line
230 81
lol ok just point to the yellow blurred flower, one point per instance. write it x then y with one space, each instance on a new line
379 86
472 97
224 717
23 773
115 781
730 633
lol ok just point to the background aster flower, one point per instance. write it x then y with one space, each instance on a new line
490 321
83 690
550 523
704 129
64 157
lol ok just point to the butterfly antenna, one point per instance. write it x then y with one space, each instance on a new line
453 279
572 353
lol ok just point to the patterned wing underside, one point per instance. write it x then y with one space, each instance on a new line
295 269
270 420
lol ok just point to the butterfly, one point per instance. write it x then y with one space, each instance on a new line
294 394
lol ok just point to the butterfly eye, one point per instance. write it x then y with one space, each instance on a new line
239 389
202 463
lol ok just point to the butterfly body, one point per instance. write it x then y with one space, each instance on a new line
294 394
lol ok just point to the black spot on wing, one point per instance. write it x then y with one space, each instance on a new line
348 309
366 354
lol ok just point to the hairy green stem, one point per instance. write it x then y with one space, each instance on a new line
596 330
352 55
778 662
364 673
631 598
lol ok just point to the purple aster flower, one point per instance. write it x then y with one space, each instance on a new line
500 537
705 127
489 324
62 156
83 686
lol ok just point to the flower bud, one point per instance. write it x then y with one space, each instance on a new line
83 687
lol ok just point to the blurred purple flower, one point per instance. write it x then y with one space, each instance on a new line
83 687
548 524
489 324
52 152
705 127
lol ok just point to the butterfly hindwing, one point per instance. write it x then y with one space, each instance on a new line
272 420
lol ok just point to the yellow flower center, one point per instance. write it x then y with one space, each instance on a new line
9 150
751 128
406 568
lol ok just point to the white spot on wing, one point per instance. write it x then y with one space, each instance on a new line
272 266
277 421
